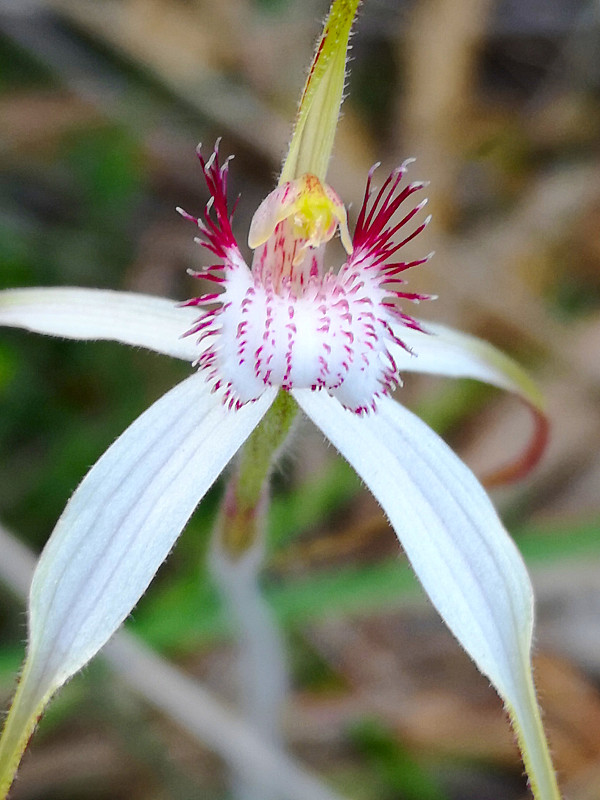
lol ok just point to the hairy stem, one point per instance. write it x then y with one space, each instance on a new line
242 516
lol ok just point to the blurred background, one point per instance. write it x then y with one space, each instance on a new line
102 103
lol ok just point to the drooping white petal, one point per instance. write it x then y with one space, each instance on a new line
136 319
451 533
124 518
114 534
458 547
445 351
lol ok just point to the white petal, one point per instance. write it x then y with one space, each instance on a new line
124 518
461 553
448 527
140 320
444 351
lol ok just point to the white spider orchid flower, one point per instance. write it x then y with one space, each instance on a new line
282 333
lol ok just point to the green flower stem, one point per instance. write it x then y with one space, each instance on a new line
245 499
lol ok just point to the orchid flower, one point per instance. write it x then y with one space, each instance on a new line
282 334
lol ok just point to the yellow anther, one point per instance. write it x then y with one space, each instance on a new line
313 209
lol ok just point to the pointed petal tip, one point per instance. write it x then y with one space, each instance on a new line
526 720
30 699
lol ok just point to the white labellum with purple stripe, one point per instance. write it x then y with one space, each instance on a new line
288 323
